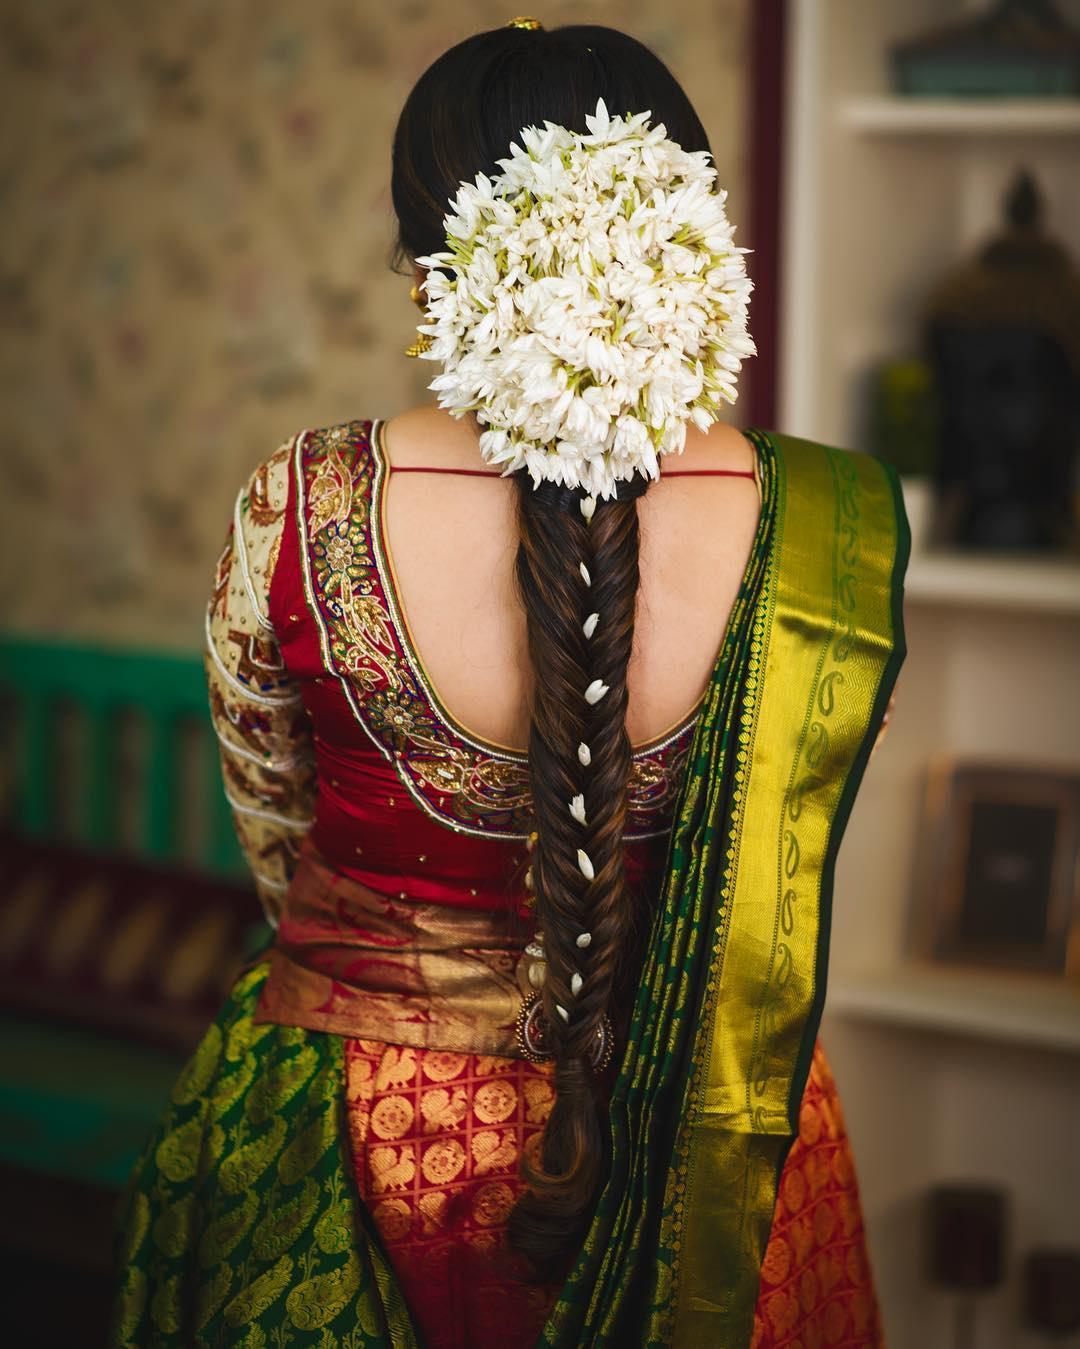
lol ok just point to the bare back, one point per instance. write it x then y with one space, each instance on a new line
452 541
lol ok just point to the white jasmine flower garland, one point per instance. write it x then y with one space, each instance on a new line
590 303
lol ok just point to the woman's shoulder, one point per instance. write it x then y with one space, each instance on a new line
428 436
722 446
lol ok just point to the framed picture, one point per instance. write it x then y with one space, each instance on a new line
998 869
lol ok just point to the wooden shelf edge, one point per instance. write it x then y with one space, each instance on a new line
1033 584
1017 1009
901 116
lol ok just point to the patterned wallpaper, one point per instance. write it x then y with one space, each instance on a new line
194 265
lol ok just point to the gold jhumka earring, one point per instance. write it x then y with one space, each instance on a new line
423 340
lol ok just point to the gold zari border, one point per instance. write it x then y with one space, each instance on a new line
830 646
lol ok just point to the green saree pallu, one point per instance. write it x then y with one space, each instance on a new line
241 1223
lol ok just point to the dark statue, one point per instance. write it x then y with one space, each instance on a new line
1003 337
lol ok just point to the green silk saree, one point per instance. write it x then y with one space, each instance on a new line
240 1224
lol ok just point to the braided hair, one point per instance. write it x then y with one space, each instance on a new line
577 575
580 629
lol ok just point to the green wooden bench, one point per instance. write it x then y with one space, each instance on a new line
112 788
101 689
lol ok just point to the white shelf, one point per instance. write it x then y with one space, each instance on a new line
899 116
1034 584
1010 1008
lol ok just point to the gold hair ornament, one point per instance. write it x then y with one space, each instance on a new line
534 1043
423 340
531 24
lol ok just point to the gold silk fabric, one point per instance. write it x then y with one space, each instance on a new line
830 637
355 962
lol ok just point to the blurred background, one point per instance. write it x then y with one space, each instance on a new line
195 265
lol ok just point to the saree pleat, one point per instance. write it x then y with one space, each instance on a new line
241 1224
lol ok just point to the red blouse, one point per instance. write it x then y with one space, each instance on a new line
402 807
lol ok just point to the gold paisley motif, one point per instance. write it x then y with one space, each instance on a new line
371 1327
165 1305
284 1224
330 493
258 1296
309 1146
366 623
173 1229
244 1165
225 1232
277 1086
334 1232
211 1293
231 1086
177 1154
244 1035
317 1301
213 1148
133 1298
200 1068
506 779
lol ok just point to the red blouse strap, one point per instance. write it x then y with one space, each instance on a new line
464 472
707 473
667 473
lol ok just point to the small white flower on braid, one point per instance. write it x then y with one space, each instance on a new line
595 692
589 304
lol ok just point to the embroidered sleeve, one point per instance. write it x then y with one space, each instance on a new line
262 726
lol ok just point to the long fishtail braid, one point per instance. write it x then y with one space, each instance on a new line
578 578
